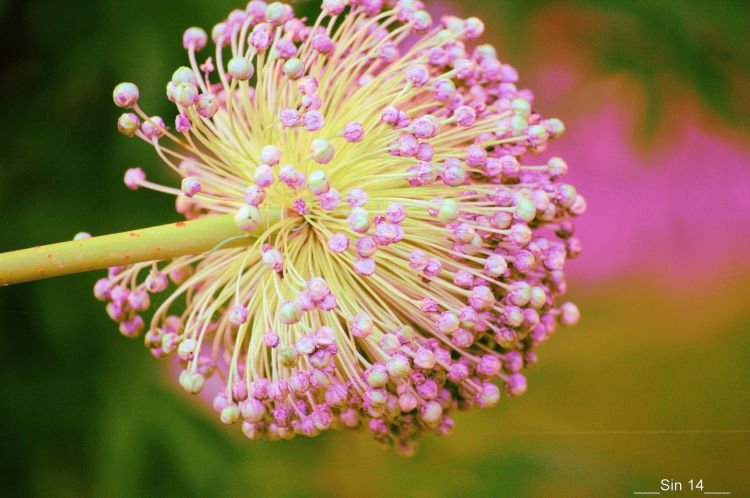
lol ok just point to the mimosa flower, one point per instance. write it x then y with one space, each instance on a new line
407 251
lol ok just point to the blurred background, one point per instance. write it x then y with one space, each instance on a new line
653 384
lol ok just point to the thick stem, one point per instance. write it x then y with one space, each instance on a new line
96 253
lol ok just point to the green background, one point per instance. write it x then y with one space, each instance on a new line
631 396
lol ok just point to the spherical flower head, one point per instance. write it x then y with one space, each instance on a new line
404 259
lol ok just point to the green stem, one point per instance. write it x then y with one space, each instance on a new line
96 253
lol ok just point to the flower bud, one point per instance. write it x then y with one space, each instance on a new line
294 68
569 314
237 315
230 414
194 39
288 356
128 124
185 94
240 68
449 210
289 313
318 182
192 382
247 218
126 95
206 105
321 150
190 186
186 349
361 326
270 155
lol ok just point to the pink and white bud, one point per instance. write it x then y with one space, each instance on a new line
128 124
190 186
134 177
361 326
126 95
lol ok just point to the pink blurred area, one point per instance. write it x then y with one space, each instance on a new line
681 209
672 201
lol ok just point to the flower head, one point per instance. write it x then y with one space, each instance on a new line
408 251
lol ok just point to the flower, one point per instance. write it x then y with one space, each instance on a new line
423 293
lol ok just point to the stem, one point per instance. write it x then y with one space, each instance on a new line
96 253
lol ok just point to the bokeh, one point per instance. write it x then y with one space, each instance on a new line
653 384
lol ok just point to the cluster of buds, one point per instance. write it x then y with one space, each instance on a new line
409 250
